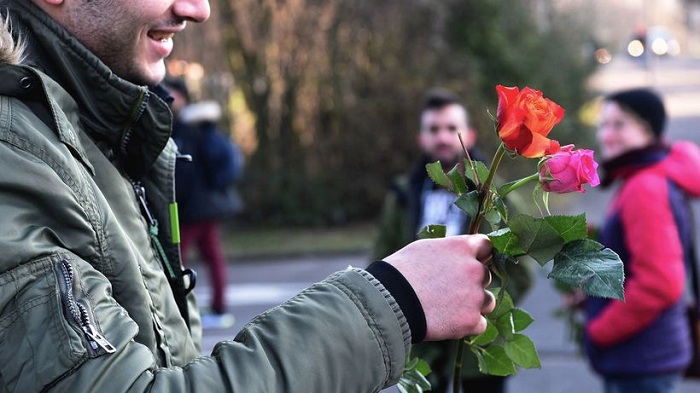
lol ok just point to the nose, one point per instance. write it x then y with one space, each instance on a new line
192 10
603 133
447 136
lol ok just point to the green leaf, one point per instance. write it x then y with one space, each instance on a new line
423 367
432 232
411 364
481 170
413 377
469 203
570 228
480 359
419 380
589 265
505 242
537 237
501 208
502 307
505 327
493 217
413 382
438 175
468 172
460 186
521 350
487 337
497 361
521 319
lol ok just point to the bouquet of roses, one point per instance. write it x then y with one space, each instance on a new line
523 121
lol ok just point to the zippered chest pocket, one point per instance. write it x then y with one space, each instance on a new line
55 312
38 344
80 311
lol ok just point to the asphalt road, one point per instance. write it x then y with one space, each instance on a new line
256 285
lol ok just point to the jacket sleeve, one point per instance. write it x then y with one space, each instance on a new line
656 275
344 334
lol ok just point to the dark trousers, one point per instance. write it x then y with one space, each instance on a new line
205 235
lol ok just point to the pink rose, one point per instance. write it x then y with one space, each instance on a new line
568 170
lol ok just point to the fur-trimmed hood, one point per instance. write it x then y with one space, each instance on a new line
11 52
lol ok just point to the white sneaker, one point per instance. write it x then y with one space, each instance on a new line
218 321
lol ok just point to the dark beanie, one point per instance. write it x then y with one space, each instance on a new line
178 85
644 103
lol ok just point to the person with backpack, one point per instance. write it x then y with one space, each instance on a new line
642 344
205 177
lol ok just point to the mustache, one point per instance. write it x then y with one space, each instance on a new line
174 22
442 146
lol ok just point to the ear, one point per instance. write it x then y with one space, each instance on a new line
469 138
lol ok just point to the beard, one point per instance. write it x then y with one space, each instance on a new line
447 155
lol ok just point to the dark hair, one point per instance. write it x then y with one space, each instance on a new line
439 98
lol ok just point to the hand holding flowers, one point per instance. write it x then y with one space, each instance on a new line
523 123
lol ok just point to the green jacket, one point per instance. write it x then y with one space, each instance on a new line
397 227
85 303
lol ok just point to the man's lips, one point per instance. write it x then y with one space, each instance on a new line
162 39
160 35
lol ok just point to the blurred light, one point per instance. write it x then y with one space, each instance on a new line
602 56
659 46
195 71
176 68
635 48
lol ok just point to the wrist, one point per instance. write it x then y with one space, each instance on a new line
404 295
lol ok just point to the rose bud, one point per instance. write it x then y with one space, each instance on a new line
568 170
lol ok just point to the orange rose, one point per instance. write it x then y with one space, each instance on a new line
525 118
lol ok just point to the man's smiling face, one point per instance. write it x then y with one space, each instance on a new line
133 37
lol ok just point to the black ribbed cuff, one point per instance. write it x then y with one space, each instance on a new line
405 296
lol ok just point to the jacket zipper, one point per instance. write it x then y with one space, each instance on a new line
80 314
140 192
179 289
136 114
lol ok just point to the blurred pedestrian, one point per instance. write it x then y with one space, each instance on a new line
642 344
205 190
415 201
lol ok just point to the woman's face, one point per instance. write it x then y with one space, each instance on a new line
621 131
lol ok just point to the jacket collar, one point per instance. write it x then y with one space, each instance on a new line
629 163
131 122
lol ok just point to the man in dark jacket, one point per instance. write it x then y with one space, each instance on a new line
92 293
415 201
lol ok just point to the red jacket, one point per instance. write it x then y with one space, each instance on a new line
650 226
